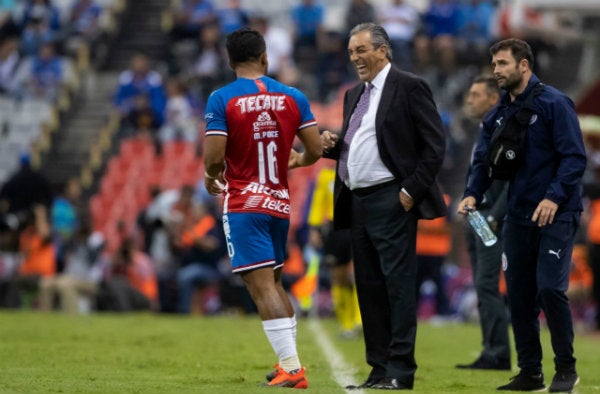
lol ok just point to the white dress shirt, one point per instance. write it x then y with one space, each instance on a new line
365 167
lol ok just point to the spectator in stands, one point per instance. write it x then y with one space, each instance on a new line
232 17
142 119
474 31
84 25
401 21
208 70
190 17
9 63
25 189
8 27
9 260
180 122
440 28
42 10
81 275
140 79
35 244
307 18
46 78
36 32
201 248
359 11
333 65
279 50
65 214
129 284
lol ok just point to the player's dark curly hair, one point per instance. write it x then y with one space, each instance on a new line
245 44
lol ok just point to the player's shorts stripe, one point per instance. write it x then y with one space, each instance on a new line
254 266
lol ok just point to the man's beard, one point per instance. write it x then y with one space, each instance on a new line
512 82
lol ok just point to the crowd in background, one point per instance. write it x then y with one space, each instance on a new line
172 256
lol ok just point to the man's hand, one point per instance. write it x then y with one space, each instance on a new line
406 201
544 213
214 185
466 202
295 160
329 139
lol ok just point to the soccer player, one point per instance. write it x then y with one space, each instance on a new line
250 127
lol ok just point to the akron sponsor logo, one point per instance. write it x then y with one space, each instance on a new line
275 200
257 188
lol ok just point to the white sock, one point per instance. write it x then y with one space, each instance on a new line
294 324
280 333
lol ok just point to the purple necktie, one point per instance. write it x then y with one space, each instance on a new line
359 112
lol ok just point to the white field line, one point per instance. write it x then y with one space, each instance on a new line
342 372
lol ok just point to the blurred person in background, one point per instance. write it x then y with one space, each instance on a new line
24 189
200 249
208 70
440 22
591 217
232 17
280 50
10 60
139 79
65 214
129 281
359 11
401 21
307 18
40 24
81 275
190 17
486 261
433 246
336 254
46 76
84 25
251 126
8 25
180 122
39 259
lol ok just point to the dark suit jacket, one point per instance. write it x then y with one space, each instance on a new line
410 140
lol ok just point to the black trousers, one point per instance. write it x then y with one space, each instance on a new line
486 262
385 265
537 269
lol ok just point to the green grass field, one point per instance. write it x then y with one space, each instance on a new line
143 353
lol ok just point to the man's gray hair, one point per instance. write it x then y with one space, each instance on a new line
379 36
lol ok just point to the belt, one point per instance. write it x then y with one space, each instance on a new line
364 191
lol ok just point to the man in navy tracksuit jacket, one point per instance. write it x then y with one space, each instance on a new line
544 206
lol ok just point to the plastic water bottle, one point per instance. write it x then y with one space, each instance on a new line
481 227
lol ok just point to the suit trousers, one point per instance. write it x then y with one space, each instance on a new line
486 263
537 269
385 265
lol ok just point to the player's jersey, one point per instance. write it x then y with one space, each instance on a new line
260 119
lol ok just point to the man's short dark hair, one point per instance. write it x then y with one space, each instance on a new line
244 45
491 85
519 48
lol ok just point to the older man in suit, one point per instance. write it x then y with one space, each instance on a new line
388 155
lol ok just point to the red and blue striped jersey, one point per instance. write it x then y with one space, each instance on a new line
260 119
